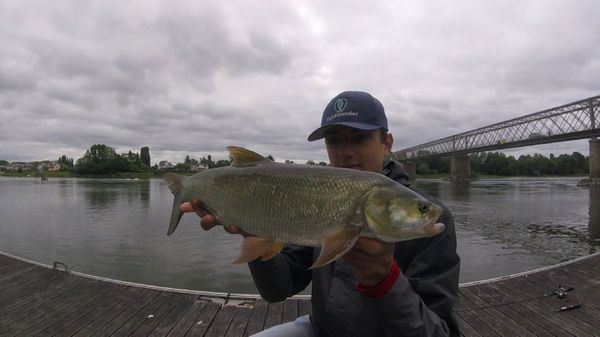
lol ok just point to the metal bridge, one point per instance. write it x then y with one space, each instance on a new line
577 120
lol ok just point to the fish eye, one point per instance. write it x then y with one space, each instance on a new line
423 207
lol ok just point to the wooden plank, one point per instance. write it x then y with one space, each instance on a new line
25 283
540 312
220 325
152 319
466 303
10 272
34 294
495 319
188 320
59 319
111 320
110 303
583 316
478 324
274 315
257 317
465 328
290 310
240 320
22 314
37 319
140 315
172 318
518 318
204 320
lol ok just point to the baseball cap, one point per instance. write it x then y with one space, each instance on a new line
355 109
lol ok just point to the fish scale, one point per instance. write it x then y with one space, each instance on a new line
299 206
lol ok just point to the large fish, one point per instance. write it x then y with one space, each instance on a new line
303 204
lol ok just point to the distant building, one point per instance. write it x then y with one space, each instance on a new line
163 165
14 166
48 165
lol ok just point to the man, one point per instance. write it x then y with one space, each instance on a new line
377 289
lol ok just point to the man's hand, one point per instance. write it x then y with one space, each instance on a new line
371 260
209 221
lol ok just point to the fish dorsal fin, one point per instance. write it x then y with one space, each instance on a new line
244 157
336 245
174 181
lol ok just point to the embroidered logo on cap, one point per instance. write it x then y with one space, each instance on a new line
340 104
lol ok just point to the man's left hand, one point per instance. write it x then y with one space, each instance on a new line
371 260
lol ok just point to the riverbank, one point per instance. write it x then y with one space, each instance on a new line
67 174
444 176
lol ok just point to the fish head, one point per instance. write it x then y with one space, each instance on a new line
395 213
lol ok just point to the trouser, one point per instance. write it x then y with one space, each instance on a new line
301 327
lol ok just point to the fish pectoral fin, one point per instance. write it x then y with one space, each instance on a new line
273 250
336 245
254 247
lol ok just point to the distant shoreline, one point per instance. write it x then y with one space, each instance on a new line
148 175
66 174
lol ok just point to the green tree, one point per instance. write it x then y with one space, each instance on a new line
101 159
145 155
207 161
222 163
423 168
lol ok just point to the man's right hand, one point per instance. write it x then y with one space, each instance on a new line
209 221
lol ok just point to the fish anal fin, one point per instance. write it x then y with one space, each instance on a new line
337 244
273 250
174 181
254 247
243 157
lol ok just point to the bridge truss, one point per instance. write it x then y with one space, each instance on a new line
577 120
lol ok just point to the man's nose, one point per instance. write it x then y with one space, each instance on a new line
347 150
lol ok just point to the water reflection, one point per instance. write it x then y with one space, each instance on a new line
105 194
460 190
594 223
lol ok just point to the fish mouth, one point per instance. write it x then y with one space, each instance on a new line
434 227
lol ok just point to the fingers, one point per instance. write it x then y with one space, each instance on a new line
208 221
186 207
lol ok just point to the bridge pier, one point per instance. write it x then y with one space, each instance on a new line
460 168
411 169
594 176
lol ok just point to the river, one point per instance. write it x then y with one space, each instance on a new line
116 228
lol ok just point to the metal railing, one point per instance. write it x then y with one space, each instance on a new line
577 120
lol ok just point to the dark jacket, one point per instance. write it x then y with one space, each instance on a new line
420 303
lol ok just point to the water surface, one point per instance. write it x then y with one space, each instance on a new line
117 229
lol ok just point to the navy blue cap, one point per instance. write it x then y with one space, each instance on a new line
355 109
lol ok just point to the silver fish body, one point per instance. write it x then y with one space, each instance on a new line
306 204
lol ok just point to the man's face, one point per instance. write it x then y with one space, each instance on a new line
357 149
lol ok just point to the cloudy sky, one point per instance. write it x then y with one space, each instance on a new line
192 77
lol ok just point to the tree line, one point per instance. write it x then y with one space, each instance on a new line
498 163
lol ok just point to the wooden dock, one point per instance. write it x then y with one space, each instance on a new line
36 300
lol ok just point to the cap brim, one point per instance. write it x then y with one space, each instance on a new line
322 131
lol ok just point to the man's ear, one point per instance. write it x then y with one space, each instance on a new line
389 141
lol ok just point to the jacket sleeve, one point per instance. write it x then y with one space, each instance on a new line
421 301
285 275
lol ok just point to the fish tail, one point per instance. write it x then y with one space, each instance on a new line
176 188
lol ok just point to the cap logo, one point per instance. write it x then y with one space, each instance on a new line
340 104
